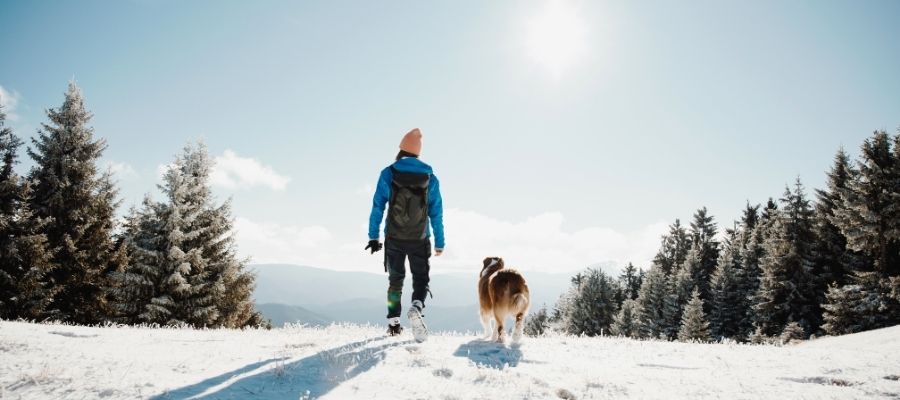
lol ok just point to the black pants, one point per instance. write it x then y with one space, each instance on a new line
395 254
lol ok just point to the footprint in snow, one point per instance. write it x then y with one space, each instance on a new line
821 380
443 372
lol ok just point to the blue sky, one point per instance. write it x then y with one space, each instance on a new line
565 133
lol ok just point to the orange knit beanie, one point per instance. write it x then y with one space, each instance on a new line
412 142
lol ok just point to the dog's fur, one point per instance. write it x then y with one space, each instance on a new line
501 292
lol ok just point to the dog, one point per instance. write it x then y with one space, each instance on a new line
501 292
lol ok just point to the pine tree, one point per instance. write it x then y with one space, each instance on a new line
753 234
793 332
870 214
787 288
726 313
78 204
681 284
593 306
630 281
185 268
703 235
626 322
749 219
674 248
833 261
537 323
24 255
136 285
869 218
234 297
694 326
652 304
850 309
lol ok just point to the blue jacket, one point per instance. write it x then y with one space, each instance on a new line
383 195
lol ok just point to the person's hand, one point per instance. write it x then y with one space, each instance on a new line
438 252
374 244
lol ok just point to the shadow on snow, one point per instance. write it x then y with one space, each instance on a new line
318 374
490 354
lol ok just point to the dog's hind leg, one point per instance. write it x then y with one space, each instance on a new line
520 327
486 323
498 328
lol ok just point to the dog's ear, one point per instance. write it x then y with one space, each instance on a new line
500 262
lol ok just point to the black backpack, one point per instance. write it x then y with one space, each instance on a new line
408 208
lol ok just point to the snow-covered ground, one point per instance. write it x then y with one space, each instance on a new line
346 362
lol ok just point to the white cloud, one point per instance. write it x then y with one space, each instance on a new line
9 101
121 170
267 242
538 243
541 243
236 172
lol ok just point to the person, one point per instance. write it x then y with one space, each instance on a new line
412 193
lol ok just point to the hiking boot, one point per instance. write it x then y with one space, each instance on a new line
394 328
417 321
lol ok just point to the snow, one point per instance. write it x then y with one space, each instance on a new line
44 361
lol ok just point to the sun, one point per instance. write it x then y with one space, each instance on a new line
556 37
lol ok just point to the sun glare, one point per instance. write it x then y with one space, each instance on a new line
556 37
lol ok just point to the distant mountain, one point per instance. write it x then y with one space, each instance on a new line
359 297
281 314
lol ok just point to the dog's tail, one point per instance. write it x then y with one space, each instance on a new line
520 300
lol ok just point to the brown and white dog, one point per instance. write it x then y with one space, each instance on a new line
502 292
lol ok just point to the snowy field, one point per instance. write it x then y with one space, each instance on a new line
349 362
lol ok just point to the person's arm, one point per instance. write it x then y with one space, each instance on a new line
382 195
436 214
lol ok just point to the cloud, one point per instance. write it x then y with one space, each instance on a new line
538 243
9 101
121 170
267 242
236 172
541 242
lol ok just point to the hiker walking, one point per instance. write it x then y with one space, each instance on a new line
412 193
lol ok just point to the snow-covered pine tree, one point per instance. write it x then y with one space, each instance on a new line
626 322
870 214
134 286
703 233
752 235
870 220
652 306
24 255
833 261
593 306
674 248
537 322
694 326
792 332
850 309
630 281
171 303
234 296
787 287
726 312
680 285
201 281
78 203
749 220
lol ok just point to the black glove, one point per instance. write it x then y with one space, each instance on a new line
374 244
